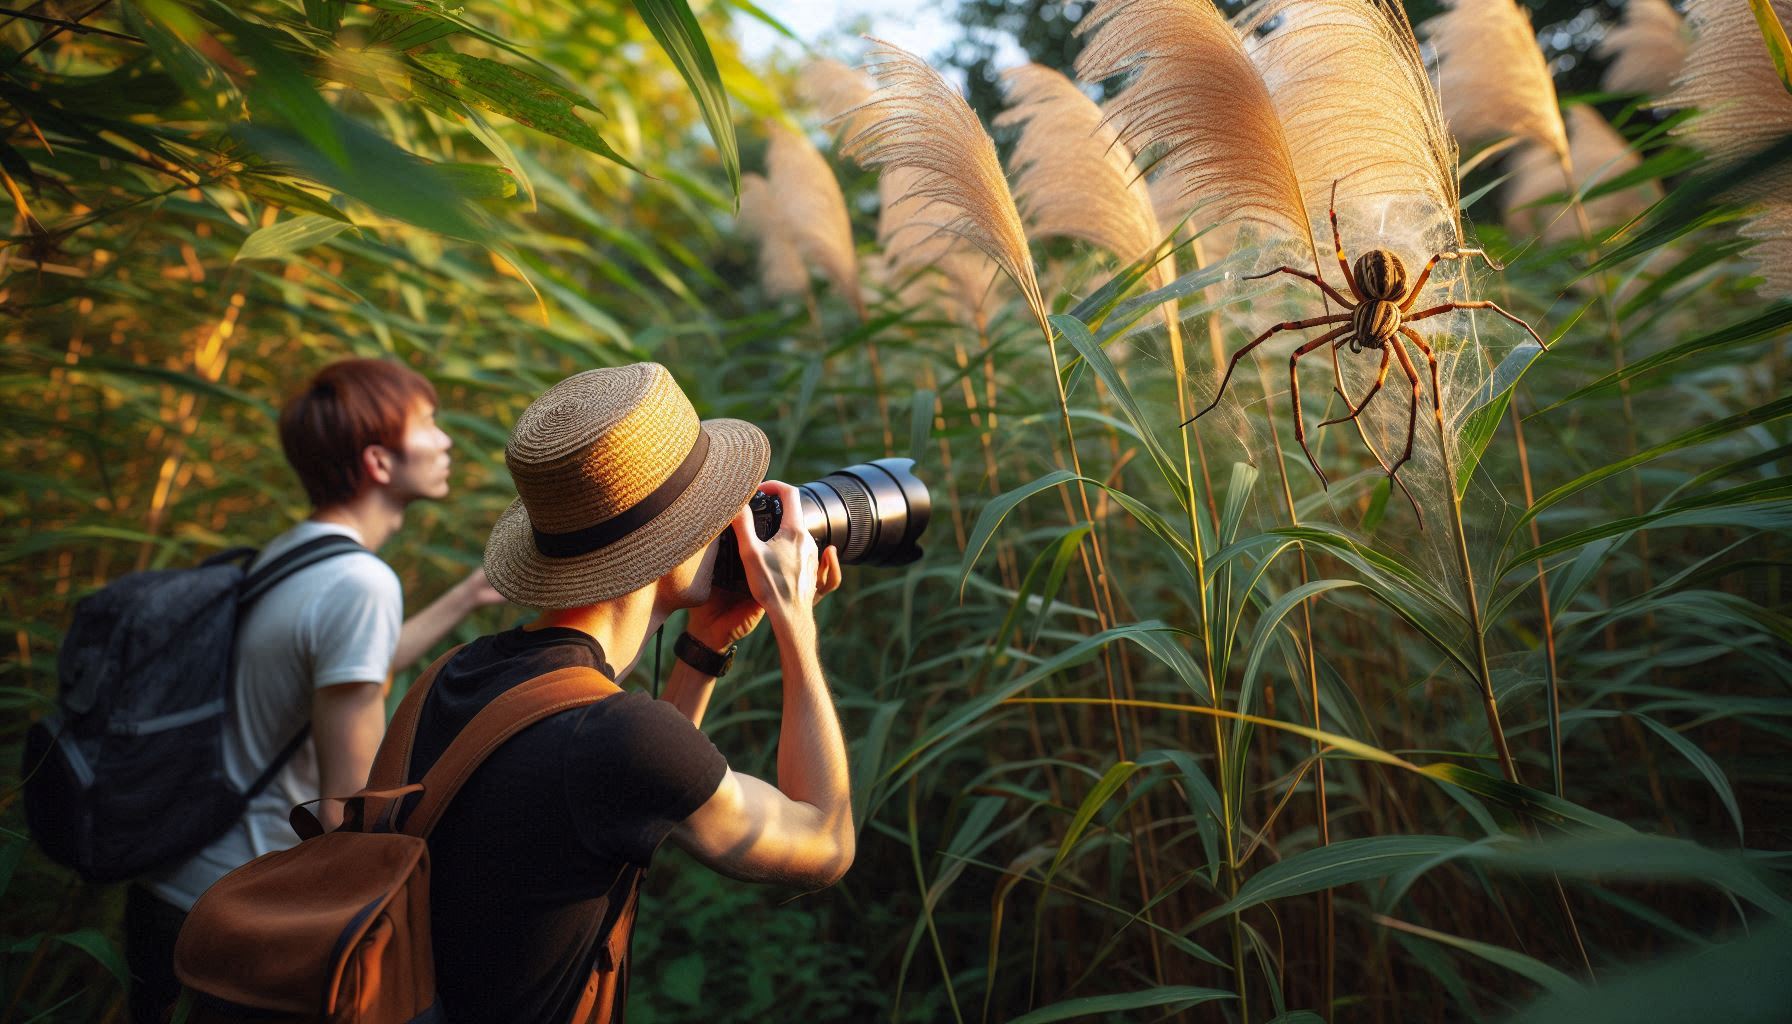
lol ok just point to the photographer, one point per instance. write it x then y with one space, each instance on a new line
624 495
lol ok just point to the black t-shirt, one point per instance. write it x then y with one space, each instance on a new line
523 862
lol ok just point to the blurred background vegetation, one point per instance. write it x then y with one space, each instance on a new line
210 200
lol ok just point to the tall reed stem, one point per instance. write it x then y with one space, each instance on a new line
1483 674
1180 365
1328 935
1099 592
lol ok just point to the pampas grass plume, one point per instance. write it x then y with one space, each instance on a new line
1730 78
832 88
1772 254
1357 107
1073 178
1194 97
813 211
917 122
781 270
1492 78
1646 49
1743 109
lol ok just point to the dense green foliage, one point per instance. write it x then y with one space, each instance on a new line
213 200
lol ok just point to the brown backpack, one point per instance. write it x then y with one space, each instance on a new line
337 928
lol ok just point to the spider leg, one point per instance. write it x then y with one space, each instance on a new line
1315 278
1453 254
1437 391
1338 243
1479 304
1412 416
1300 422
1380 379
1286 325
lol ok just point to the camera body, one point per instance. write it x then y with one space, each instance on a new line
874 512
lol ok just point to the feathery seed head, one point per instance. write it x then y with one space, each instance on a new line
1358 108
814 210
1073 177
1193 97
917 123
1492 77
1646 49
781 270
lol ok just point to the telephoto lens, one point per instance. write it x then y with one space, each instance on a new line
874 512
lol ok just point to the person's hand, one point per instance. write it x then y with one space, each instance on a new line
476 593
786 574
725 619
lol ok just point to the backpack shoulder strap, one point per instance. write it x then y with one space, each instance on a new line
515 710
307 554
260 582
393 761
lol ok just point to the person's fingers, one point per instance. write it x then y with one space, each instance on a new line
745 539
830 572
792 500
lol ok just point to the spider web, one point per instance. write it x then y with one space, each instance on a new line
1255 412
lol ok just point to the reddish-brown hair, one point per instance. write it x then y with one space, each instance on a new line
346 407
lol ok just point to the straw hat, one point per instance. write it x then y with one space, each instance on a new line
619 483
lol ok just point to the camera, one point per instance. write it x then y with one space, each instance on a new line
874 512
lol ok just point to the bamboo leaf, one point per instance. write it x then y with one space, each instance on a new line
1105 788
676 28
1488 407
1769 324
1529 967
1740 982
1534 803
524 98
1078 335
278 241
1772 411
1327 867
1705 766
996 511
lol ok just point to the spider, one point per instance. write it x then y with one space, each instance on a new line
1376 320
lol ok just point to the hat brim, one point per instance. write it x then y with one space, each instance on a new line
731 472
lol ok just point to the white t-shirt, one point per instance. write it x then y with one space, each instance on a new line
330 623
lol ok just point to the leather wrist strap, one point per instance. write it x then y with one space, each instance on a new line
698 655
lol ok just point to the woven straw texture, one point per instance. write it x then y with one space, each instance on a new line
593 446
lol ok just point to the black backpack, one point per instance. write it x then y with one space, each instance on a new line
128 773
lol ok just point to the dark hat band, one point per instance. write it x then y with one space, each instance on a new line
620 525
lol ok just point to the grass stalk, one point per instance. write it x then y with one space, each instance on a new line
1551 679
1198 546
1328 950
1472 605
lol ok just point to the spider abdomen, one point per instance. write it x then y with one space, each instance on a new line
1375 322
1380 275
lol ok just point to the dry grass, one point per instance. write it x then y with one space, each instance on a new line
1073 177
917 122
1356 107
1184 64
1492 78
1646 49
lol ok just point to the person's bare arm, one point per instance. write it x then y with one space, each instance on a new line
425 629
723 621
800 831
348 720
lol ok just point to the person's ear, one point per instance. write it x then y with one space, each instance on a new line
376 463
